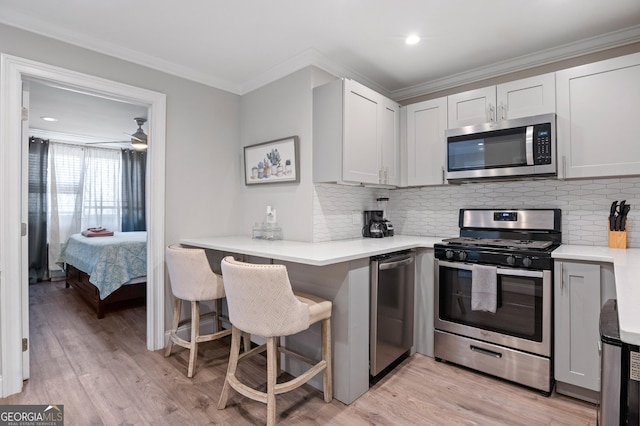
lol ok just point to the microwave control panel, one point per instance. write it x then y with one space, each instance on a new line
542 144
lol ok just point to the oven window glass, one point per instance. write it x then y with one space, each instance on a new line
519 311
488 151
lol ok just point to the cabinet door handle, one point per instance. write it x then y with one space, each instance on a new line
442 168
564 166
491 113
503 111
561 276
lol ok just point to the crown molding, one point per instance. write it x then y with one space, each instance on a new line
65 35
543 57
307 58
311 57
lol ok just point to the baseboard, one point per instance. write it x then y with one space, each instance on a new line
578 392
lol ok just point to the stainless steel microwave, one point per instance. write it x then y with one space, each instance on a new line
522 147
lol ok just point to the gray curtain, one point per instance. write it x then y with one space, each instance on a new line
38 155
134 166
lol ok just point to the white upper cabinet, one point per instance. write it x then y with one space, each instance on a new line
390 150
355 135
472 107
526 97
362 123
424 142
598 104
515 99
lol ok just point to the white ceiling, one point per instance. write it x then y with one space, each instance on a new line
240 45
82 118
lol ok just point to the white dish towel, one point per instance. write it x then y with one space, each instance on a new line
484 288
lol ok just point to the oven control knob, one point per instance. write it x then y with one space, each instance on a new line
462 255
448 254
511 260
527 261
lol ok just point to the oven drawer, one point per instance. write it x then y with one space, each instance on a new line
530 370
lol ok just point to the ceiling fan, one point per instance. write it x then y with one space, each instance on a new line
138 139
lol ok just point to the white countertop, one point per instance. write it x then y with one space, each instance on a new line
626 262
316 254
626 266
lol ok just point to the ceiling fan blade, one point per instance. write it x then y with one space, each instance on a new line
93 143
134 137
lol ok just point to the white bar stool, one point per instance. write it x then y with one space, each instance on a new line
193 280
261 302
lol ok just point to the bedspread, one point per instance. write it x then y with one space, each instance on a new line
110 262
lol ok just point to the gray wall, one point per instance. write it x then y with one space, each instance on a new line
202 136
277 110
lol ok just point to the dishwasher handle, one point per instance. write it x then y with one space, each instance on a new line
382 266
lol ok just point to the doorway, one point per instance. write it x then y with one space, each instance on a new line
14 307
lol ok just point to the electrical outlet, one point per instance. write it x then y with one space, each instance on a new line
356 217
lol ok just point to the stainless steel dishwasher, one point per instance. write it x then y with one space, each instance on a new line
619 372
392 300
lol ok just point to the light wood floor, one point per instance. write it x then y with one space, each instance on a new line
102 373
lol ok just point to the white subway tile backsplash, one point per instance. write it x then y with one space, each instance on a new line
333 207
433 211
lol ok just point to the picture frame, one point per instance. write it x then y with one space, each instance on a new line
275 161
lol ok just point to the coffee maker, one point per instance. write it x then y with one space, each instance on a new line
382 205
374 224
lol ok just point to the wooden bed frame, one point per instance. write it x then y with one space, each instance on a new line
126 295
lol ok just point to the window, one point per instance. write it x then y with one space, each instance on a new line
84 191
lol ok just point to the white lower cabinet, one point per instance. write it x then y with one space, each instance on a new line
424 303
580 291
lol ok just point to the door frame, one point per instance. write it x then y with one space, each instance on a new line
13 285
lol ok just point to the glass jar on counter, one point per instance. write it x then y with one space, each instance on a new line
272 232
258 231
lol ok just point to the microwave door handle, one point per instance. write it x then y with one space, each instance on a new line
528 144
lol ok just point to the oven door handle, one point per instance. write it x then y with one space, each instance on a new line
501 271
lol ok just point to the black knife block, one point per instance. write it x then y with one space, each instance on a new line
618 239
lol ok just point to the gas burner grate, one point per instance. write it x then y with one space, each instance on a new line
501 243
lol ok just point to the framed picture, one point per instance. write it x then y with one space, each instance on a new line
272 162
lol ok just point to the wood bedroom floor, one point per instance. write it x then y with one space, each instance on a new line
102 373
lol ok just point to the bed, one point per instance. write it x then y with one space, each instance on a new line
106 271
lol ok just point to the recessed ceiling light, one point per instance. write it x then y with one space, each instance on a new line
49 119
412 39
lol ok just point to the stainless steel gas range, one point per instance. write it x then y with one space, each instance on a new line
493 292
